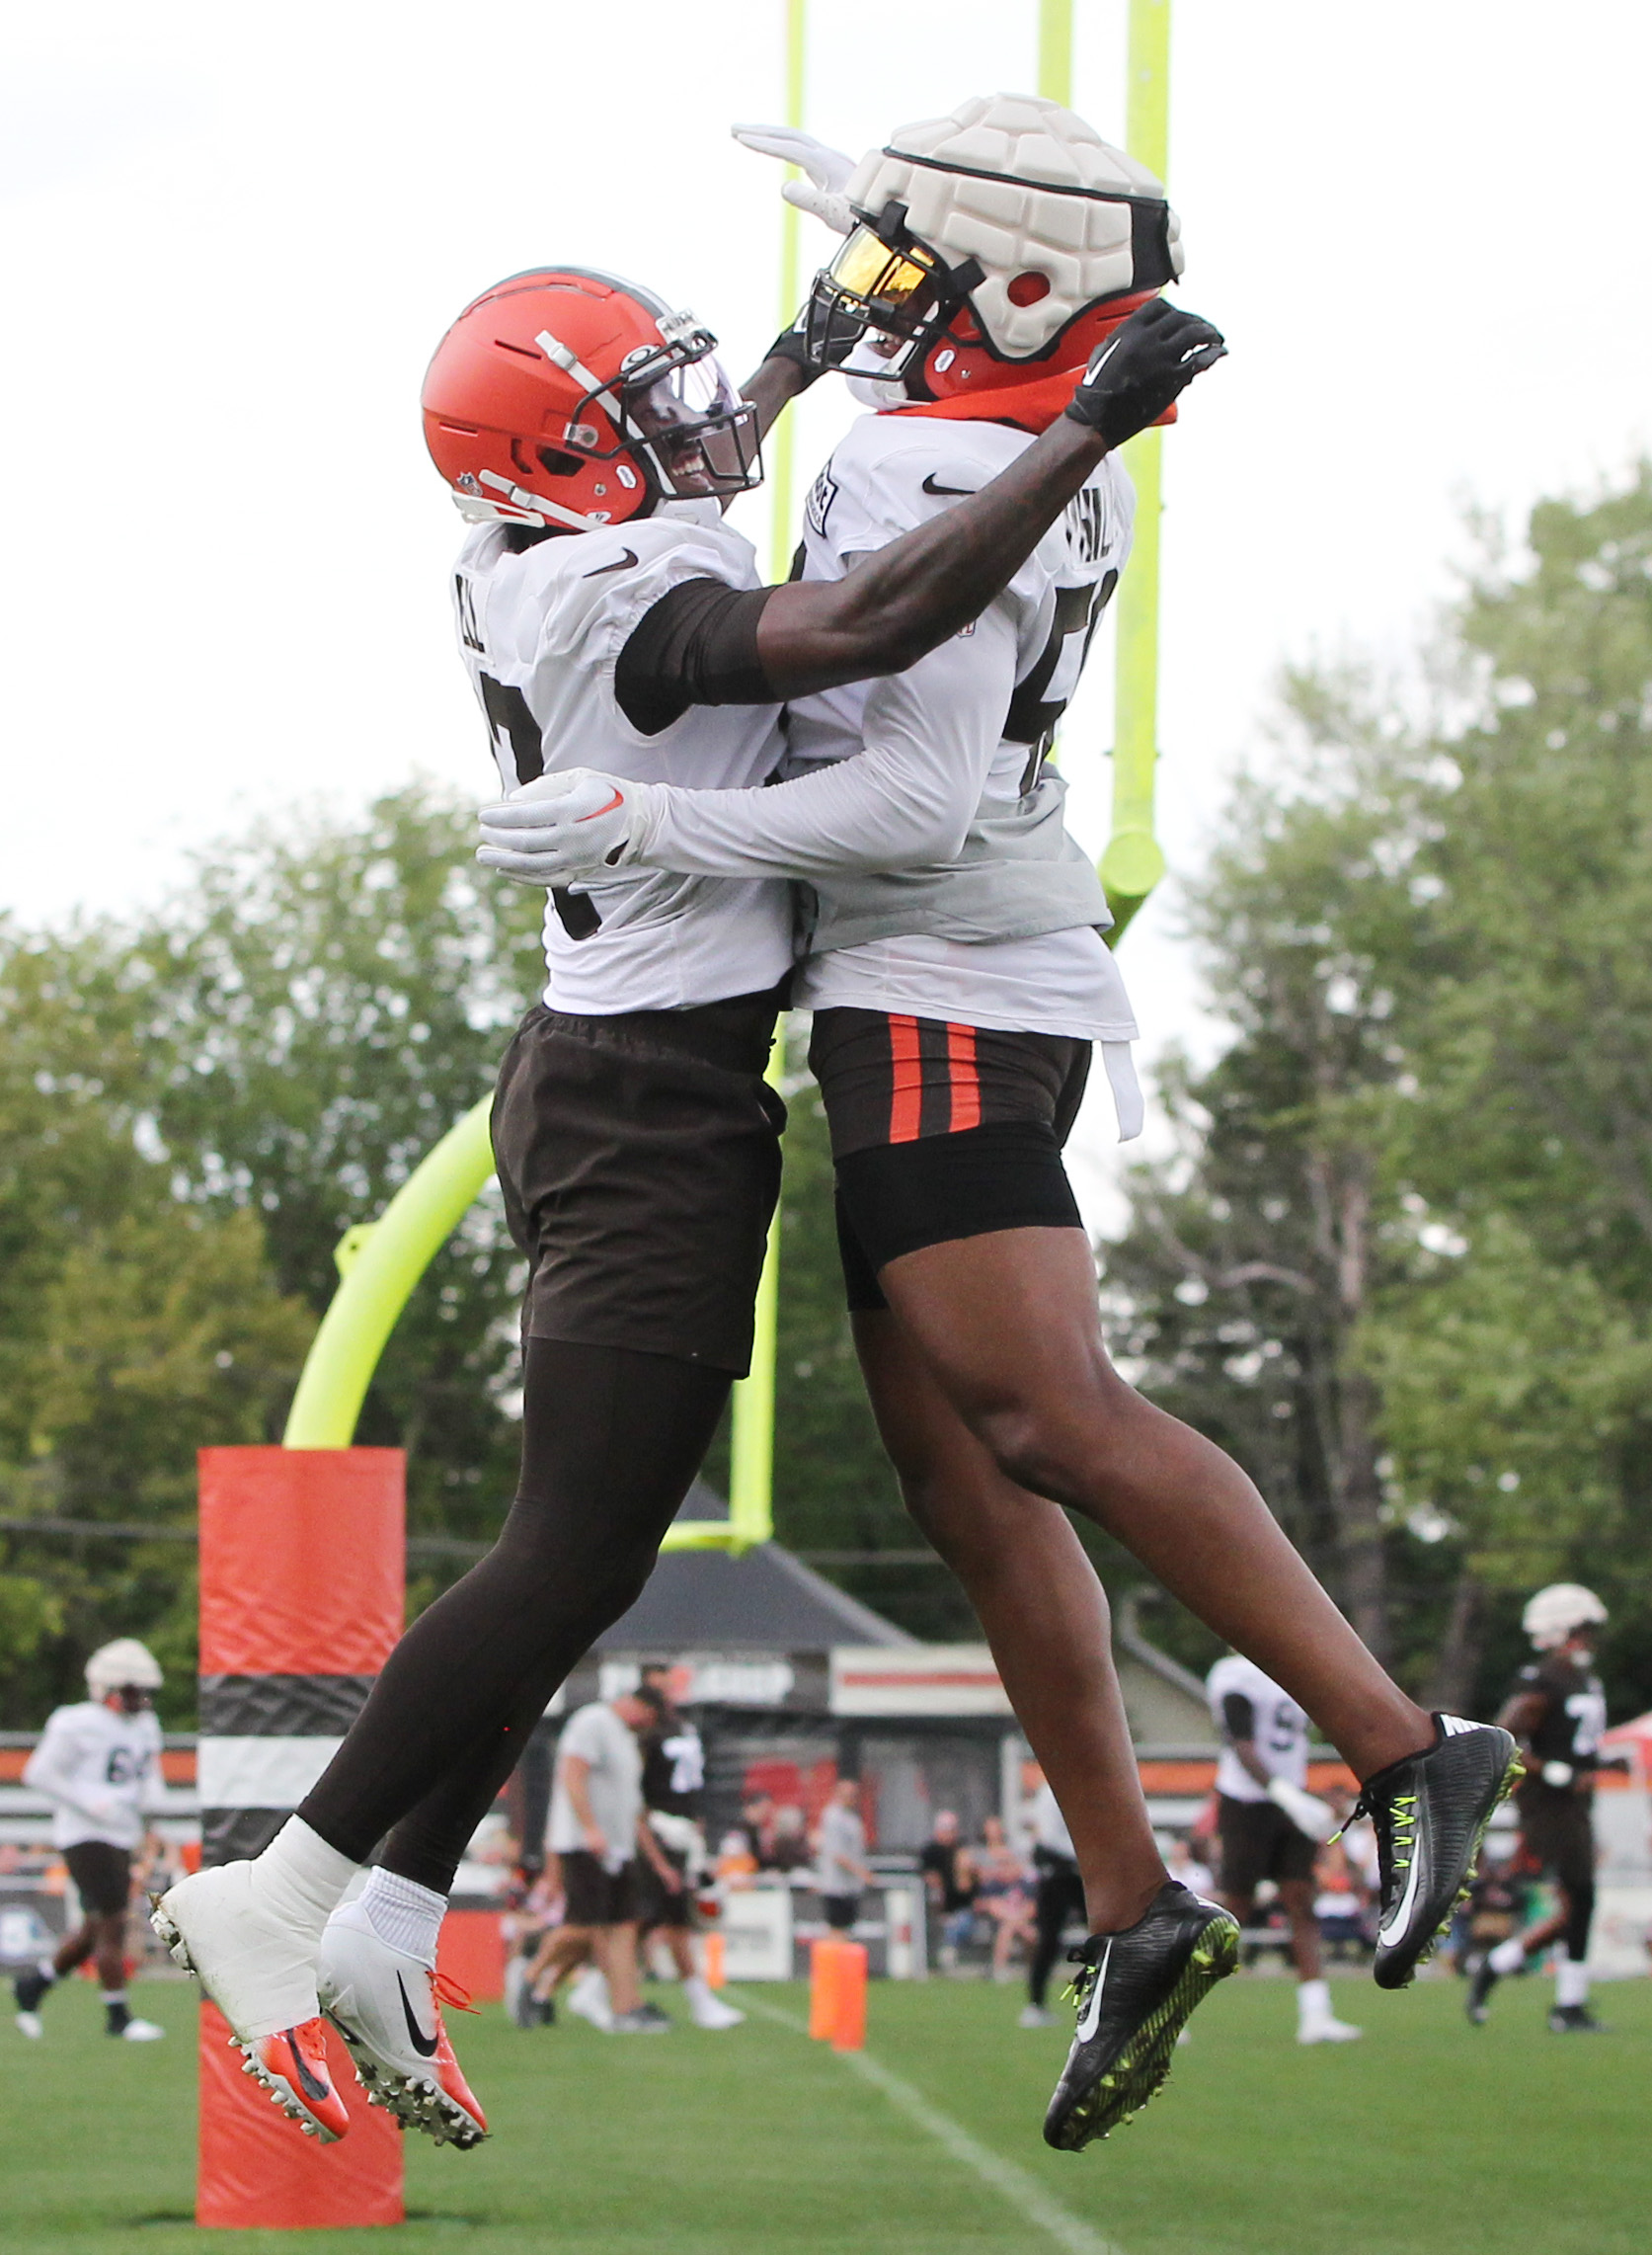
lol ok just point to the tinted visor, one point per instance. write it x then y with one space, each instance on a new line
703 438
894 289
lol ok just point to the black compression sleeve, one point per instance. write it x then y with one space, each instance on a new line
1238 1717
697 645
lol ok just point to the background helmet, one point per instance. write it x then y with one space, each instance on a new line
123 1664
1005 233
571 399
1558 1612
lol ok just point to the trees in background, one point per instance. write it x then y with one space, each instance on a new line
1398 1258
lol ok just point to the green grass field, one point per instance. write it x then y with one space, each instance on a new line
1427 2139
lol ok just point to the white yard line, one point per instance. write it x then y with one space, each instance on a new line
1018 2186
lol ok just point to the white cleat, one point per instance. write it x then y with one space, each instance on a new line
387 2006
141 2032
707 2009
261 1975
1330 2030
31 2024
1035 2016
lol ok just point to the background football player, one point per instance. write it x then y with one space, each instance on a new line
605 610
992 256
1271 1826
98 1763
1557 1711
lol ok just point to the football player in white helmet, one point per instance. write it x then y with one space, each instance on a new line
605 611
98 1763
1557 1711
990 255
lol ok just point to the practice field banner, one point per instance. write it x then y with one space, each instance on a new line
302 1594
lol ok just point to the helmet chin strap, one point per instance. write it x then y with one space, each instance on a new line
518 506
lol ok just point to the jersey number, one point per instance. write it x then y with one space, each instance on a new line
1034 713
513 726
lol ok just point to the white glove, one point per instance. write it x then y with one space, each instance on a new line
567 826
1557 1773
828 171
1316 1818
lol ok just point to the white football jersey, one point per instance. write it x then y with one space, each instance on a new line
890 473
540 632
101 1770
1280 1730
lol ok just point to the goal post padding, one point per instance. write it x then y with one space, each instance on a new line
302 1594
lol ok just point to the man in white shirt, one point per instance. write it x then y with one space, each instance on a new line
1271 1826
841 1872
597 1829
98 1763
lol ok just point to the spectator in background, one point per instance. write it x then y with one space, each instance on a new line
1003 1891
1057 1904
1183 1864
756 1817
842 1870
789 1851
949 1880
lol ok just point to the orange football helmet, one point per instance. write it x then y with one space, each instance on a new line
568 398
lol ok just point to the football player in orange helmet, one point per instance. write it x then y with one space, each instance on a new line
606 614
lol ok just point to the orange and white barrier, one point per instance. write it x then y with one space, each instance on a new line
301 1600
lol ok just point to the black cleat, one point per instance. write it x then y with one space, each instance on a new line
1136 1991
1430 1812
1483 1979
1574 2020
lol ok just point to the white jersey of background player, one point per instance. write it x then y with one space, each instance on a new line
101 1769
1278 1728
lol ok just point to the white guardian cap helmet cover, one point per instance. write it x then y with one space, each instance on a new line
999 226
122 1665
1558 1612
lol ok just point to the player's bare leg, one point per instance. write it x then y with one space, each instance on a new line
1042 1610
1009 1325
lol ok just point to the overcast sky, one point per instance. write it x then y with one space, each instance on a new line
234 237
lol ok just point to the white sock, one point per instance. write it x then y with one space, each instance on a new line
1314 2002
696 1991
115 1997
1571 1983
302 1878
403 1914
1509 1957
47 1973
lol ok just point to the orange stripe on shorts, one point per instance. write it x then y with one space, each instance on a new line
965 1080
905 1103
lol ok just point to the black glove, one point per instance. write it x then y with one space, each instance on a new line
1143 367
793 345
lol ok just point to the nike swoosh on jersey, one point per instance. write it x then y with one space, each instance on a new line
624 564
1092 2009
959 492
423 2044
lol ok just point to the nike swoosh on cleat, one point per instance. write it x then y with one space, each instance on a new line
423 2044
308 2083
1390 1933
626 560
961 492
1092 2009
